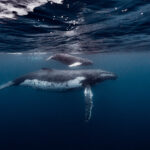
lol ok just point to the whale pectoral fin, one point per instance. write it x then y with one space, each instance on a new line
75 64
88 102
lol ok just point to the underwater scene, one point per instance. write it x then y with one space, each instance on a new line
74 75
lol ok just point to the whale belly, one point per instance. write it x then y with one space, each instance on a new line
51 85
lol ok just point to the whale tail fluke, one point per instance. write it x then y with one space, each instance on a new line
49 58
88 103
8 84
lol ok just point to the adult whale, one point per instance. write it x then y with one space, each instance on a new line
52 79
70 60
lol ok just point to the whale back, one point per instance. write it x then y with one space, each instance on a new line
40 74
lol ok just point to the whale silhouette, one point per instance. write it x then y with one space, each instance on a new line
70 60
52 79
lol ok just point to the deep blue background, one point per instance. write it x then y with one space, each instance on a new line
35 119
32 119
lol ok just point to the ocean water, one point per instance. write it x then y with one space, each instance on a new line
36 119
115 35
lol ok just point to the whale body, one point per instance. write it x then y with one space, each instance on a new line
52 79
62 79
70 60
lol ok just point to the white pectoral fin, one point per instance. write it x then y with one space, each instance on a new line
88 102
75 64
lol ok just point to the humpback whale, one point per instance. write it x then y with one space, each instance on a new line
71 61
52 79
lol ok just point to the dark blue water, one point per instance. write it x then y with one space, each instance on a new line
118 32
35 119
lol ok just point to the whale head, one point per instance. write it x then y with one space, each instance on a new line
97 76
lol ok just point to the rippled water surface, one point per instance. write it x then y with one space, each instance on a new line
74 26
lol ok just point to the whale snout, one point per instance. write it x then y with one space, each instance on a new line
113 76
108 75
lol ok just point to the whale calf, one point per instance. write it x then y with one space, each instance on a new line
52 79
71 61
